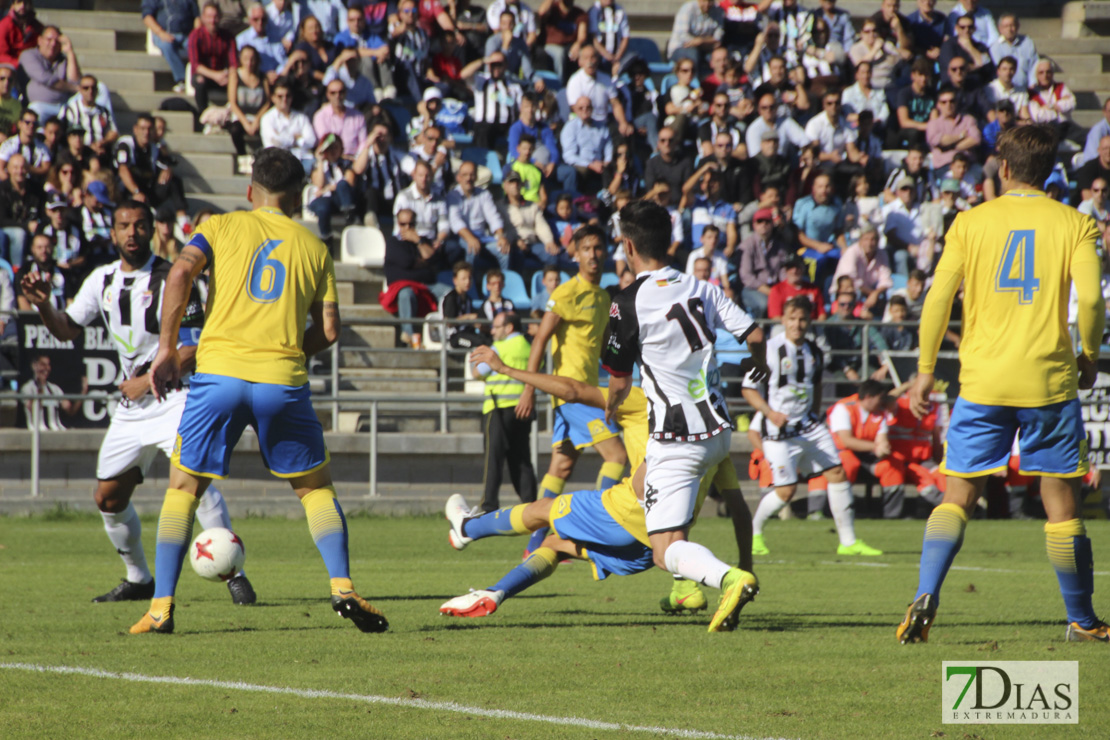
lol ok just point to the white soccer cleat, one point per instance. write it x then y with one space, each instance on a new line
456 512
473 604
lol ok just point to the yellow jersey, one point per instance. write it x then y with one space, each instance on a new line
577 341
1017 256
265 272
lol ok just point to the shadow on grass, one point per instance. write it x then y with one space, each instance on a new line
442 598
474 624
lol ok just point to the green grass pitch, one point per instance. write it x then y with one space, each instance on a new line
815 656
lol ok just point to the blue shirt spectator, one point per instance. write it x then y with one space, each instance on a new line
1012 44
175 16
985 31
585 142
840 23
265 38
928 33
332 15
819 221
543 133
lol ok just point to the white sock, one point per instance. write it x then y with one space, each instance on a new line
212 512
840 502
696 563
126 534
769 505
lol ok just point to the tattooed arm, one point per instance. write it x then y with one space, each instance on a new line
324 331
165 371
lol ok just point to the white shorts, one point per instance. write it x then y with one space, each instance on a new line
807 455
132 442
674 473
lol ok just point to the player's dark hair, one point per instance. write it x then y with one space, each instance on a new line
277 171
1030 151
799 302
587 232
648 226
871 388
135 205
899 300
513 320
495 273
1005 105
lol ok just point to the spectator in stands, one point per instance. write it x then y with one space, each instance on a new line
682 101
532 188
430 209
373 54
760 262
862 96
412 264
950 132
146 171
495 303
669 164
587 146
496 99
1005 88
736 184
698 27
791 136
709 269
411 49
913 294
170 22
845 338
792 284
710 207
82 111
475 220
894 27
64 177
718 121
330 13
286 16
11 108
902 226
820 221
266 40
588 81
212 54
318 50
19 31
377 170
836 138
1052 102
840 23
528 230
564 32
284 127
607 25
1099 167
165 243
985 31
788 86
52 72
1019 47
822 57
430 148
928 28
869 269
248 92
1004 119
456 305
915 168
40 259
882 54
1095 206
547 148
897 338
518 57
525 19
1090 148
771 169
65 240
769 45
549 282
963 45
340 119
334 195
36 156
20 210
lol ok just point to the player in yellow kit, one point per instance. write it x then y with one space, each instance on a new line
267 276
1017 257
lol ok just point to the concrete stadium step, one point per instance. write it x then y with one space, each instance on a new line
190 143
413 360
123 60
1091 99
356 337
217 202
1085 82
1080 63
1087 118
177 122
229 184
91 40
398 386
130 22
201 165
143 101
1040 27
359 293
123 79
1053 45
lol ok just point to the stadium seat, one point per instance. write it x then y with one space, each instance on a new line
307 196
463 139
433 332
550 78
899 281
648 50
362 245
609 278
514 289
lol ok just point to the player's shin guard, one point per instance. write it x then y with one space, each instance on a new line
840 504
505 522
609 476
550 487
329 530
126 534
944 535
769 506
1069 551
175 527
695 562
539 565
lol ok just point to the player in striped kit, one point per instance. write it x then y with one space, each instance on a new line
128 294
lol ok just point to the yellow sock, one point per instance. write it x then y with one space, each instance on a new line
516 519
550 486
328 529
175 523
609 475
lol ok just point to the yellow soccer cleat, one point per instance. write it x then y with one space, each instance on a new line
919 618
1099 633
158 619
685 598
738 588
859 547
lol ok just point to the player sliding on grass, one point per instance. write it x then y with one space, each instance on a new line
1017 257
605 527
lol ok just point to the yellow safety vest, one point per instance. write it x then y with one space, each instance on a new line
502 391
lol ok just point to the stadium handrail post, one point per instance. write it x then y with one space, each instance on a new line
36 419
373 449
443 374
865 362
335 387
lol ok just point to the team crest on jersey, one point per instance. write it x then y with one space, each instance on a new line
614 311
597 427
786 366
146 299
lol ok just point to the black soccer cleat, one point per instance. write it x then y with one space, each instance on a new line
128 591
241 590
919 619
351 606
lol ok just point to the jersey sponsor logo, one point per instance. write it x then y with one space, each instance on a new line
786 366
696 386
666 281
651 495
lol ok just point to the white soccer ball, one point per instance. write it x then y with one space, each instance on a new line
217 554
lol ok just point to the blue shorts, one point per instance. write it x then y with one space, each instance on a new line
981 438
583 425
219 408
581 518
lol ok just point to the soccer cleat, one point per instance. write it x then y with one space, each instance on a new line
473 604
128 591
919 618
758 546
241 590
684 598
1099 633
859 547
158 619
457 513
738 588
350 605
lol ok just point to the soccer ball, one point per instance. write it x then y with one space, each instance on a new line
217 554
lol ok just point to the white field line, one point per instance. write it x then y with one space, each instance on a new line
435 706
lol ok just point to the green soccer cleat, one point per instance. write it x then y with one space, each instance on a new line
919 618
1099 633
738 588
859 547
758 546
685 598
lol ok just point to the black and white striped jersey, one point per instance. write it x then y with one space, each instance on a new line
495 100
794 387
667 322
131 304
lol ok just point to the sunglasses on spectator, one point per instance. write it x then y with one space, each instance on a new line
408 11
1098 190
